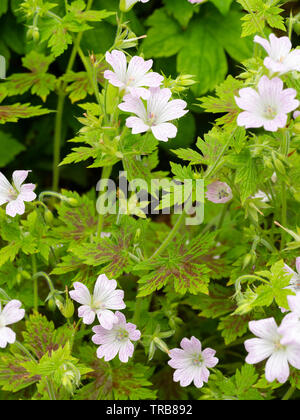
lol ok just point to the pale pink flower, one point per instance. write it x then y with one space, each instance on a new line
156 115
191 362
10 314
218 192
104 299
269 346
262 196
196 1
15 195
268 107
117 340
290 326
281 59
132 79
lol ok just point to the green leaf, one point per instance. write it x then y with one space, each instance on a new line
247 173
13 375
181 10
238 387
222 5
185 268
3 7
78 222
12 113
111 253
115 381
41 337
202 56
224 101
165 37
233 326
57 36
217 303
261 13
275 288
10 148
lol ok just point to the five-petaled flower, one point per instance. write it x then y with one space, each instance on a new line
269 345
268 107
104 299
281 59
290 325
10 314
15 195
155 116
132 79
117 340
191 362
218 192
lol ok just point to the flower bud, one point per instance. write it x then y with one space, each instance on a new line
51 305
33 34
66 308
48 216
152 349
72 201
161 345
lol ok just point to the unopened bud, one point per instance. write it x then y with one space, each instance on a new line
33 34
161 345
72 201
48 216
66 308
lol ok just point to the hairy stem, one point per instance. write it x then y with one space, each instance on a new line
60 110
35 283
285 150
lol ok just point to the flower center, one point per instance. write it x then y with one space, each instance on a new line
130 81
12 193
197 359
151 118
222 194
97 305
122 335
278 346
270 112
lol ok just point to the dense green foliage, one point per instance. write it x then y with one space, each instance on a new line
59 118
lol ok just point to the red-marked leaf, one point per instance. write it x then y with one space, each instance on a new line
12 113
184 268
219 302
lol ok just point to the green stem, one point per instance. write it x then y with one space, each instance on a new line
106 172
57 139
170 237
50 389
180 220
285 151
60 109
35 284
47 278
289 393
